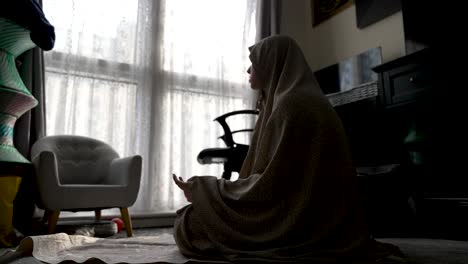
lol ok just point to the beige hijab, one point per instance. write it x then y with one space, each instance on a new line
295 199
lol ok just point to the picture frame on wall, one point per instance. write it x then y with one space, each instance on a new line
324 9
369 12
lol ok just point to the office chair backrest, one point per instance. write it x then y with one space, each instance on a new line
233 154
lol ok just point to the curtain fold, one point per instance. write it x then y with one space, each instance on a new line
149 77
31 125
268 18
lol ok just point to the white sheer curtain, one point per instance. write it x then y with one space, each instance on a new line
149 77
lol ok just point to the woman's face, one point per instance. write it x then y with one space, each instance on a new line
253 78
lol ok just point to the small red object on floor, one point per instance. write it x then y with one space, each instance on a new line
119 223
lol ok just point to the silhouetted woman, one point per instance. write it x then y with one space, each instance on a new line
296 197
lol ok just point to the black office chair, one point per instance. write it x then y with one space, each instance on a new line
233 154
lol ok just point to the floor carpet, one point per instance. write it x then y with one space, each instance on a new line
417 250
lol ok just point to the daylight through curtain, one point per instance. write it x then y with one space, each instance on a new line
148 77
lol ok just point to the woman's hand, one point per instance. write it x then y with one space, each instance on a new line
184 186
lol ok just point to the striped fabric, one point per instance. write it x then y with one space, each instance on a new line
15 98
15 103
9 153
5 131
14 40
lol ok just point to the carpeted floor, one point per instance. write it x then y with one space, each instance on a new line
417 250
121 234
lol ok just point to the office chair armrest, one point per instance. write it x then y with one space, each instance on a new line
227 137
223 117
125 171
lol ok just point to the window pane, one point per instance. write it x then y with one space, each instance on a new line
190 136
93 30
91 107
205 38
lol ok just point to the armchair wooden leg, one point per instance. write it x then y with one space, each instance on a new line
52 222
45 217
127 221
97 213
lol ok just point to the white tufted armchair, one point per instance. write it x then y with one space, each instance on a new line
77 173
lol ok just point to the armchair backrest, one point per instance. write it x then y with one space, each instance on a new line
80 160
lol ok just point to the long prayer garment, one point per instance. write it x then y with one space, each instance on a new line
296 198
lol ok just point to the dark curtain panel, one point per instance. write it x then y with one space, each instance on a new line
31 125
269 18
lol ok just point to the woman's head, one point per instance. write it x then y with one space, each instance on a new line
262 54
288 90
254 81
268 53
278 65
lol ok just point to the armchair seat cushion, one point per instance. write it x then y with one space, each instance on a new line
82 196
